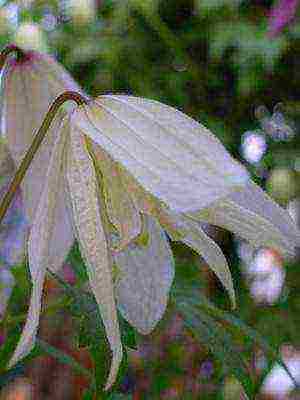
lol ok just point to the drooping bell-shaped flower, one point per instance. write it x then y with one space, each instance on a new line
177 171
13 230
30 83
127 169
115 174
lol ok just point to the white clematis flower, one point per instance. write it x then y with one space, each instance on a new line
122 170
129 167
14 229
29 85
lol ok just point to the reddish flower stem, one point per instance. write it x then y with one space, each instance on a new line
9 50
38 138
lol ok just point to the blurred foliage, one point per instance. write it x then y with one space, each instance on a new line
213 60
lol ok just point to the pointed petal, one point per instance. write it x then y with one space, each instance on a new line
199 241
146 275
63 235
28 336
255 199
92 239
184 172
38 248
122 212
252 215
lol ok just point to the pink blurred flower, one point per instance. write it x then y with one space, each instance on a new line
282 13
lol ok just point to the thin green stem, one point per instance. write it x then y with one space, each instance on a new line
234 322
38 138
169 38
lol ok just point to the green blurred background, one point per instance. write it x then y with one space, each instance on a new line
214 60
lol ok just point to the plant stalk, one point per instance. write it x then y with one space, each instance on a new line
38 138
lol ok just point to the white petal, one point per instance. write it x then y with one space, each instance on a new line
255 199
146 275
256 218
13 228
28 336
211 252
7 167
38 248
63 235
122 212
57 76
29 88
186 167
93 240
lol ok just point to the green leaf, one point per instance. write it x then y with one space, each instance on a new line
215 324
128 334
8 347
79 268
46 348
119 396
88 394
207 7
213 335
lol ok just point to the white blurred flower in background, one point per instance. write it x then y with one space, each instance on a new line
276 126
11 11
82 12
49 21
278 385
263 271
30 36
253 146
266 275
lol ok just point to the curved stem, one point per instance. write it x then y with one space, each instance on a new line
7 51
38 138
